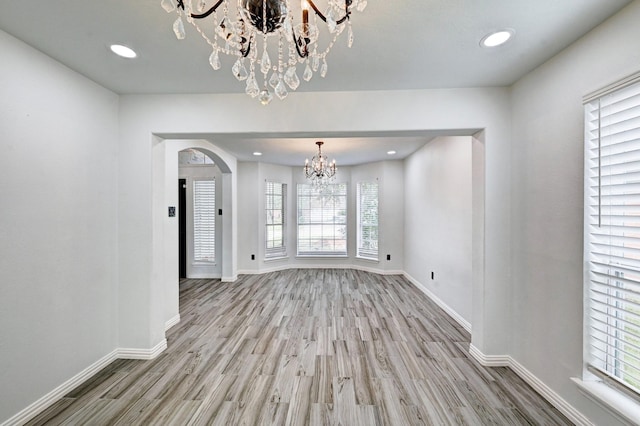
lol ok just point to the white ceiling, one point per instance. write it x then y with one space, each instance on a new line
347 150
411 44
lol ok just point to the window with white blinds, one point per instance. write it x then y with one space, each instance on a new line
612 222
274 201
204 220
322 220
368 220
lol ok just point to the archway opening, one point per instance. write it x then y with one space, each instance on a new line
166 235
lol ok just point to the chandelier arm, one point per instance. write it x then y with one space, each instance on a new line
205 14
346 16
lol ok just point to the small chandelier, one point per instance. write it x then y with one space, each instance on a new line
244 33
320 172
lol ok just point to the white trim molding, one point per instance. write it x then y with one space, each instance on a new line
50 398
538 385
173 321
203 276
231 279
144 354
622 83
489 360
312 266
453 314
621 406
47 400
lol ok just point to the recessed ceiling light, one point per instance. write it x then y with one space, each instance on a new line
391 152
123 51
497 38
257 154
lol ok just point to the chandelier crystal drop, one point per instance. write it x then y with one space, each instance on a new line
320 171
268 37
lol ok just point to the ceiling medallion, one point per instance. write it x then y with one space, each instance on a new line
320 171
244 31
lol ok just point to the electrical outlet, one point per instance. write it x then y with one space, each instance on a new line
388 257
253 257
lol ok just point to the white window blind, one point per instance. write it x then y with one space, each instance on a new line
275 199
204 220
322 220
368 220
612 246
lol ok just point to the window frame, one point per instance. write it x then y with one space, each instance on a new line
196 221
312 194
609 238
271 253
363 252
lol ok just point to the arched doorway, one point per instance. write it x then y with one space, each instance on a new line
165 271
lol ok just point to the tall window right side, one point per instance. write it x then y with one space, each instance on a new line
612 235
368 220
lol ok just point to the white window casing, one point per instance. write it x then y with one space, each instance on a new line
367 205
612 235
322 220
204 220
275 220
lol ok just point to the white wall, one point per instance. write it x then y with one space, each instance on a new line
58 148
391 233
547 202
438 221
249 217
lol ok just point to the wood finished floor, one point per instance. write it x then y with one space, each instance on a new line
306 347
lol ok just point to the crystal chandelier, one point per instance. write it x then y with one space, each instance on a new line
320 171
244 32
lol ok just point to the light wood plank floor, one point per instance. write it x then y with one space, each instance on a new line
306 347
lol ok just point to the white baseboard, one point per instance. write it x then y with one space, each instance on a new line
490 360
173 321
50 398
47 400
279 268
144 354
538 385
453 314
378 271
251 271
203 276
